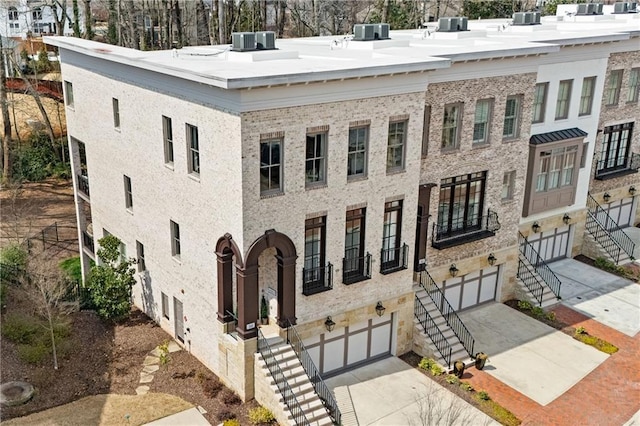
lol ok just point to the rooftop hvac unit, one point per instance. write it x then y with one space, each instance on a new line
632 7
462 23
526 18
450 25
620 7
381 31
266 40
242 42
599 8
363 32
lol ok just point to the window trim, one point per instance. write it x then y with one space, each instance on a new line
516 117
68 94
167 137
322 159
176 249
360 273
582 112
364 151
605 148
280 166
633 93
543 103
393 148
465 180
128 193
510 176
115 104
315 275
165 305
563 104
193 150
456 129
486 137
142 266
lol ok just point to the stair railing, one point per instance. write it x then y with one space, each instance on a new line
549 278
431 329
450 316
606 231
288 395
322 390
530 280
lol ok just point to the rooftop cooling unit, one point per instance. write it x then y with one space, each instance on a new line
381 31
242 42
462 23
526 18
266 40
450 25
632 7
620 7
363 32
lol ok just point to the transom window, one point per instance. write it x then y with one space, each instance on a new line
270 166
167 137
511 117
612 92
539 102
193 145
395 145
564 97
615 148
357 154
451 126
481 121
556 168
634 85
316 164
586 97
461 203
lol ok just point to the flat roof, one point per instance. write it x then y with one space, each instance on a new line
317 59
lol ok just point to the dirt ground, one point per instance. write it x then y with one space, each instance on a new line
26 118
99 357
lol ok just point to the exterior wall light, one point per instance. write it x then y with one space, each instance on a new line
535 227
492 259
453 270
632 190
606 197
566 218
380 309
329 324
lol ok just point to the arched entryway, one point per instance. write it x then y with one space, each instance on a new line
226 249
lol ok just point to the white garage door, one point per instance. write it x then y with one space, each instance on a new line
552 245
351 346
472 289
621 211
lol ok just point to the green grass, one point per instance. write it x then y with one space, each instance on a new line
596 342
498 412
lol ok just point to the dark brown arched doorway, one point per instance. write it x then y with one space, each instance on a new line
226 249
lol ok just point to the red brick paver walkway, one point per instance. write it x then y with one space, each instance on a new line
608 396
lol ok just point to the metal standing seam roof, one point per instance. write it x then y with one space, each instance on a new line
558 135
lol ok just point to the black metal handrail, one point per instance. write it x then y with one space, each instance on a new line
531 281
87 241
550 279
607 232
631 165
394 259
322 390
83 184
429 326
448 313
317 280
460 227
288 395
356 269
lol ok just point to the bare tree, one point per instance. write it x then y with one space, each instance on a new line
439 407
6 120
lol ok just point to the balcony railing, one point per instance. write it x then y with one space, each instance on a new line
605 170
317 280
83 184
87 242
356 269
393 259
463 231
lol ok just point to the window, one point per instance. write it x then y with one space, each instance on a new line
539 102
356 264
556 168
165 306
167 136
425 130
586 97
116 113
508 185
140 256
451 126
314 255
511 117
316 165
13 14
357 154
392 253
68 93
615 148
271 166
481 122
175 239
37 14
583 157
461 204
395 145
612 92
634 85
193 146
128 194
562 103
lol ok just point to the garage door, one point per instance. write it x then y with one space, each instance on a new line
621 211
351 346
472 289
552 245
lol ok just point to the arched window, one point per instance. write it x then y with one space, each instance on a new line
13 14
37 14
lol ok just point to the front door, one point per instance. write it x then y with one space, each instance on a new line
178 319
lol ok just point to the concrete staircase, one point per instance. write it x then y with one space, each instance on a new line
315 412
548 297
423 345
593 249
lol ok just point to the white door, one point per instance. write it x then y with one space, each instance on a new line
622 211
352 346
553 244
472 289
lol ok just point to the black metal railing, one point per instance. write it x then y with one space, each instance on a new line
323 392
606 231
448 313
541 268
608 168
393 259
279 378
431 329
356 269
317 280
83 184
531 280
87 242
462 230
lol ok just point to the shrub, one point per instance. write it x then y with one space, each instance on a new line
230 398
260 415
211 387
537 311
466 386
20 328
436 370
581 330
452 379
164 353
426 363
483 395
13 261
34 353
37 161
551 316
72 268
231 422
524 305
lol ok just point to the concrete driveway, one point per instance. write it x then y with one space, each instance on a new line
390 392
527 355
607 298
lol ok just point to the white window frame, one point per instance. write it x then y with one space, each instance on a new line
167 138
193 149
357 150
176 249
128 193
451 126
634 85
68 93
316 160
614 84
396 145
563 102
482 118
115 104
540 102
511 117
586 96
